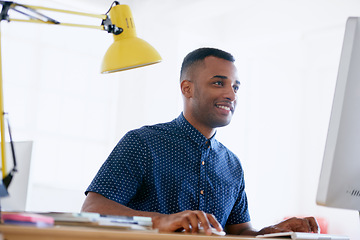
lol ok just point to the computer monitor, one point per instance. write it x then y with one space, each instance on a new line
18 188
339 184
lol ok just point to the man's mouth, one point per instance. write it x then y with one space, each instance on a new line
225 107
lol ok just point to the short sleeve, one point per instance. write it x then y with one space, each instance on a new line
121 175
240 212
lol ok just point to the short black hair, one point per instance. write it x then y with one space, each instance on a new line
200 54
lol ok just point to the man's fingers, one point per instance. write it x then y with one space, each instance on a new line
185 224
304 225
188 221
314 226
194 221
308 224
204 222
214 222
191 220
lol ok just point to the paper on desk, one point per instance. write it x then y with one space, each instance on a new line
97 220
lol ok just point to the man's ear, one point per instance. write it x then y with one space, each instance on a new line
187 88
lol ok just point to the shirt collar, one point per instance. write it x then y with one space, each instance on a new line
193 133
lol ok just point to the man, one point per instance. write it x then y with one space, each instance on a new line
177 172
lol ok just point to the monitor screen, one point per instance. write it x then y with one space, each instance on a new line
339 184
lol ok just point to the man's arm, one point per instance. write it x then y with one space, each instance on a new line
241 229
95 202
188 221
308 224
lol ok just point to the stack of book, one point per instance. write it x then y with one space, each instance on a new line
98 220
29 219
78 219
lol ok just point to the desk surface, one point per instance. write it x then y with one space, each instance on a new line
12 232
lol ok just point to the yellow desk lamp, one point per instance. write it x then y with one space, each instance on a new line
127 52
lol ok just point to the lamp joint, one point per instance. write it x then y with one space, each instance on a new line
111 28
5 9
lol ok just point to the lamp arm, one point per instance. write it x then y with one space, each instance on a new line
37 17
101 16
63 24
33 11
2 122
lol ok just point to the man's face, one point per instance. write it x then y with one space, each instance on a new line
215 83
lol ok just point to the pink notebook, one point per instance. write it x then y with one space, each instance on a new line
27 219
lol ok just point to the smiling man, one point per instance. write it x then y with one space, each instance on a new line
209 88
177 172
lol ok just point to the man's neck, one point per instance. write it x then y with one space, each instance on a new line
206 131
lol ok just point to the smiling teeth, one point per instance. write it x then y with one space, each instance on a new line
224 107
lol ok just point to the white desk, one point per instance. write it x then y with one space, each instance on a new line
12 232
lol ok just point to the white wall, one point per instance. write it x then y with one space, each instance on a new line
287 53
56 96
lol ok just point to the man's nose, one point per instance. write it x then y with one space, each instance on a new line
230 93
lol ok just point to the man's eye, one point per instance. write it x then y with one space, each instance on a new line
219 83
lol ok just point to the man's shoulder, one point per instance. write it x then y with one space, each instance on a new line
225 149
157 129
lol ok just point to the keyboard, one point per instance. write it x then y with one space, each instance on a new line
303 236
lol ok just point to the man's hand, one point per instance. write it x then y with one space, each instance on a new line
308 224
188 221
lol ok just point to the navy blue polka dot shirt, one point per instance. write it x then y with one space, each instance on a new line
171 167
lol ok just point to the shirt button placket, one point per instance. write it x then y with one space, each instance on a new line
204 155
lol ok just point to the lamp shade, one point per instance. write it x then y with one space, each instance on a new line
128 51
